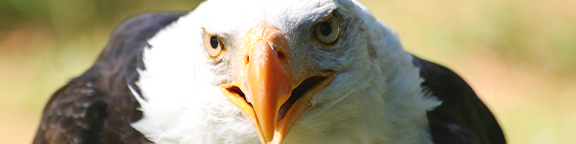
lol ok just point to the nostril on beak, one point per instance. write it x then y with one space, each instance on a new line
280 55
247 59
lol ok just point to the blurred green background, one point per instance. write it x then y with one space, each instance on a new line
518 55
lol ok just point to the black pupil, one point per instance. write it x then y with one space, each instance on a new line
214 42
325 28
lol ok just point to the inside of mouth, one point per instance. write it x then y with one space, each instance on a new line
297 93
238 91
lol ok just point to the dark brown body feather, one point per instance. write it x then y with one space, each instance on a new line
98 107
462 118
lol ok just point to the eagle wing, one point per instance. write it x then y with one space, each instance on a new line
98 107
462 118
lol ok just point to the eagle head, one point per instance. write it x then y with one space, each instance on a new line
296 71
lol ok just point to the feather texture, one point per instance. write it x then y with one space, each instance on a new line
98 107
155 83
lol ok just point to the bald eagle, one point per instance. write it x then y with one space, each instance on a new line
293 71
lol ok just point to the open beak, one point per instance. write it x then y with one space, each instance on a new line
267 91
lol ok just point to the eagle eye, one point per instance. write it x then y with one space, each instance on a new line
327 31
214 42
213 45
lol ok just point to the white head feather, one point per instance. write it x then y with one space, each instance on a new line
375 96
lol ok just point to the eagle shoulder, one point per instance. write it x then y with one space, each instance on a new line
462 117
98 107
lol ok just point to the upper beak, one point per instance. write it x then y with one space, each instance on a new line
266 91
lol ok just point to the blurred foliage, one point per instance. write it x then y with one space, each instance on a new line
535 33
67 19
518 55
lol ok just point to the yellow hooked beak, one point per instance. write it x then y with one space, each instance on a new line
267 91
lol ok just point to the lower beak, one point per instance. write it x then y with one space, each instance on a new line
266 91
